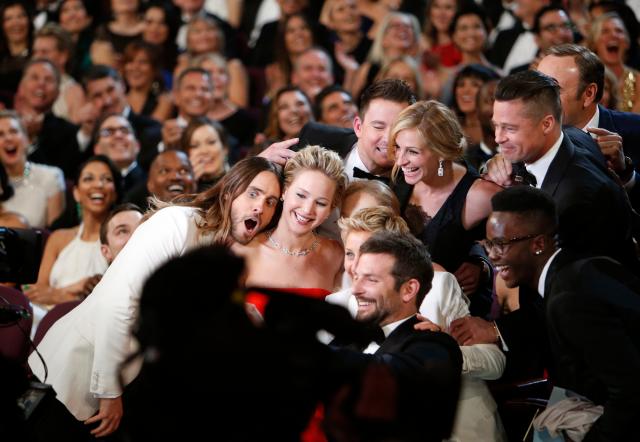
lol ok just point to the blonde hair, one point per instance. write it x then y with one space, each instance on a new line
376 53
201 17
320 159
382 193
437 125
596 29
373 219
413 65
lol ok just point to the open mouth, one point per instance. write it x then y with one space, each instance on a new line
612 48
503 270
250 224
97 197
176 188
302 219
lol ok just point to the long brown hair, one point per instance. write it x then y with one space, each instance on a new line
214 204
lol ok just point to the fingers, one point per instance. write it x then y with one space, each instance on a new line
106 427
286 144
280 152
499 171
599 131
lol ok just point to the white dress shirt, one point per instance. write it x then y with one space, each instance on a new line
540 167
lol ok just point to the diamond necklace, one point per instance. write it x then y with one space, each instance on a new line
286 251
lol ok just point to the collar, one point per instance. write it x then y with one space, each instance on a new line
124 172
353 160
389 328
545 270
126 112
182 121
593 122
540 167
486 149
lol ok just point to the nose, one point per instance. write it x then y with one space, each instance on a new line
500 134
401 159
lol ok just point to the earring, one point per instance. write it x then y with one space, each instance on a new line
282 198
440 167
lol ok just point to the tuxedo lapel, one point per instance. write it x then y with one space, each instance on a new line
558 166
606 121
396 340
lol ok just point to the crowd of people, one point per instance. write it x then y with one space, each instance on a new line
377 214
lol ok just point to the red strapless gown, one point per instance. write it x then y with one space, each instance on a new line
313 432
260 300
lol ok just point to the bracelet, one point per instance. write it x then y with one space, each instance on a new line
495 328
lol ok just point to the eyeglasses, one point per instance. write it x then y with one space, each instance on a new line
553 27
501 245
109 131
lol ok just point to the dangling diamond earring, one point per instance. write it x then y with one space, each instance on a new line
440 167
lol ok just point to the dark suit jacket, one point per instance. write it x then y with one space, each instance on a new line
133 178
592 311
342 140
57 145
149 134
627 125
424 364
503 43
593 211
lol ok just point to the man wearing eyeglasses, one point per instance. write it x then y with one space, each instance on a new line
551 27
116 139
583 314
593 212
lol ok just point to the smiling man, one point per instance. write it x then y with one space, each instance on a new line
587 306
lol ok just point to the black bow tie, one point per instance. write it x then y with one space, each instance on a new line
521 175
359 173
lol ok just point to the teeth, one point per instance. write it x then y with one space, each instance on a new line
302 219
176 188
362 303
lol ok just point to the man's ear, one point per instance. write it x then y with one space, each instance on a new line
106 252
357 126
589 95
409 290
548 123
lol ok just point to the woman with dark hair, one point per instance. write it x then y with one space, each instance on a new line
469 31
290 111
466 85
72 262
440 49
75 17
294 36
205 142
126 24
146 93
85 348
16 40
161 23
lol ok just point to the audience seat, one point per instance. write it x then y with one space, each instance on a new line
14 337
51 317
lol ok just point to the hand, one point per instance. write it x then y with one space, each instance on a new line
499 171
425 324
280 152
171 133
468 276
87 116
610 143
110 414
472 330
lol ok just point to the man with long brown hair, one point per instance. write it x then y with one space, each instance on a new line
83 351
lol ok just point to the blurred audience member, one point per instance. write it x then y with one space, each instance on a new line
205 142
15 46
404 68
75 18
334 106
312 71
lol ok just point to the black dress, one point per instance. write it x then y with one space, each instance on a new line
450 244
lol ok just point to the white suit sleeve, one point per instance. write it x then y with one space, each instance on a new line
163 236
445 302
483 361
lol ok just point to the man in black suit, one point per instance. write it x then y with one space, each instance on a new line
53 139
591 308
392 276
580 74
365 148
594 214
106 94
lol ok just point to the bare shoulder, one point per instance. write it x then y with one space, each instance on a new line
331 246
478 206
61 237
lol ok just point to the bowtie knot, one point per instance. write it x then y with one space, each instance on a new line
363 174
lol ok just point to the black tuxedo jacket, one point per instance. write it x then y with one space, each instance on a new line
57 145
627 125
424 365
593 211
592 311
342 141
149 134
135 177
503 43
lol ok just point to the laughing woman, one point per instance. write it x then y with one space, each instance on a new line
72 262
292 255
454 202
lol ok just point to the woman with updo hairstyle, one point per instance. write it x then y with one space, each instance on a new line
454 202
293 255
205 142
